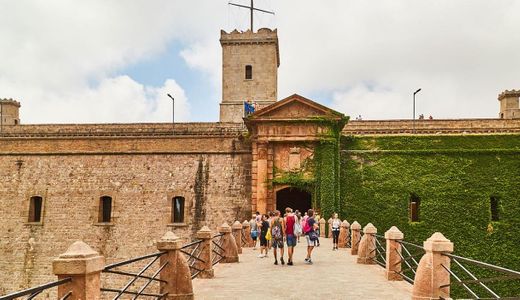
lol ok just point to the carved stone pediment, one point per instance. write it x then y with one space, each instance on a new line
294 107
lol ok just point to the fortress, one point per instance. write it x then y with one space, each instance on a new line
118 187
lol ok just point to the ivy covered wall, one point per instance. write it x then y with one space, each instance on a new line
454 178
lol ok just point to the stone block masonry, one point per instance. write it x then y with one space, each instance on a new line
141 175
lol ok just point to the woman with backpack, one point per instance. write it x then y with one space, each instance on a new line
277 234
310 234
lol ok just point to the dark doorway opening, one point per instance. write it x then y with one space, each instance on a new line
294 198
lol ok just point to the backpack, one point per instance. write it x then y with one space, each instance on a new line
277 230
306 226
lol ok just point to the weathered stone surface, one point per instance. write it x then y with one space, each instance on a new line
393 248
367 246
431 275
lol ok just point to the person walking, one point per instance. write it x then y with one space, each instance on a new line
254 229
310 234
299 225
277 234
291 231
264 228
335 227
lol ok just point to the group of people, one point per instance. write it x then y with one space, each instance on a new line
273 230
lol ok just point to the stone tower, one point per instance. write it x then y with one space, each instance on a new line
250 63
9 112
509 104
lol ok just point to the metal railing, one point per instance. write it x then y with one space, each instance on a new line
349 240
380 250
243 237
410 255
137 276
467 274
218 251
193 252
33 292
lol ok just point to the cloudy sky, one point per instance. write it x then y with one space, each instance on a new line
114 61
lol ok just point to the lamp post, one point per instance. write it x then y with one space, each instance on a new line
173 110
413 122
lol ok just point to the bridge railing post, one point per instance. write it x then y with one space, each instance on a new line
206 255
237 234
393 250
84 266
342 239
367 246
247 234
322 227
176 274
228 244
355 229
431 278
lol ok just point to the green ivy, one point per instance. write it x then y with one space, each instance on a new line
454 176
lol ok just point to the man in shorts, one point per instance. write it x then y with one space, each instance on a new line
254 229
290 236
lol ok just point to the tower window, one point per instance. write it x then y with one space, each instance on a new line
414 207
105 209
178 209
249 72
35 209
494 203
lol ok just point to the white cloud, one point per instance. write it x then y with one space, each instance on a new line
369 56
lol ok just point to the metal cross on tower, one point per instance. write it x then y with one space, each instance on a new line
252 8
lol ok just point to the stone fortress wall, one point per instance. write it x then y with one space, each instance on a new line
141 167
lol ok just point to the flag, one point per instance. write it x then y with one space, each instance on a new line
248 108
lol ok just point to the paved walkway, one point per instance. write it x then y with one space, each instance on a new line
334 275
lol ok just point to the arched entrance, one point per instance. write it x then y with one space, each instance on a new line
295 198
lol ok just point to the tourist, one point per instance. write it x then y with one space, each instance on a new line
254 229
317 218
291 232
264 228
299 220
335 224
310 235
277 234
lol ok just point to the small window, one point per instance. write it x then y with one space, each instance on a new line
105 209
35 209
249 72
415 201
494 204
178 210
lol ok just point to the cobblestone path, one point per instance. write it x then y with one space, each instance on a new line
334 275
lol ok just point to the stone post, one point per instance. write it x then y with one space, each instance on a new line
367 246
237 234
347 239
247 232
343 234
329 233
355 237
322 227
228 244
393 249
430 275
84 266
206 255
177 272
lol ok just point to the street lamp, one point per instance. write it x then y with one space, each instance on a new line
415 93
173 108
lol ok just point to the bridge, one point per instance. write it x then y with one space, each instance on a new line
223 265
